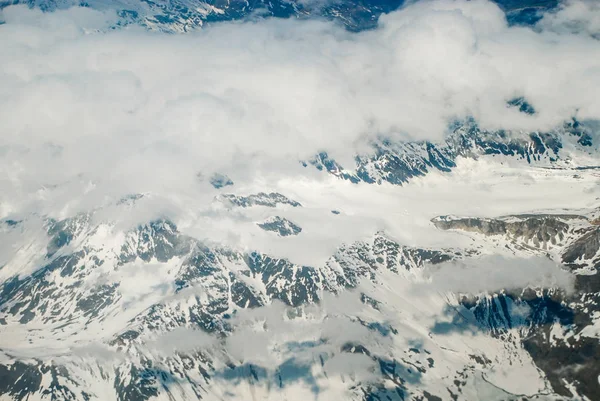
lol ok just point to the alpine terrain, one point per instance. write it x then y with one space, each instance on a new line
191 209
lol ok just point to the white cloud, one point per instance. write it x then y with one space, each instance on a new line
574 16
495 273
133 111
360 366
268 336
100 353
181 340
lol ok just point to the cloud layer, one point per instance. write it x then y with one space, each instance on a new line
575 17
131 111
496 273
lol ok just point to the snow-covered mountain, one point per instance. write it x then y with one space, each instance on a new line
93 310
397 163
461 266
186 15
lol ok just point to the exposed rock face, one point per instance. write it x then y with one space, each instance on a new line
548 324
478 225
551 333
228 279
218 181
555 331
92 273
547 334
397 163
183 16
62 232
522 104
76 323
280 226
583 249
539 231
260 199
